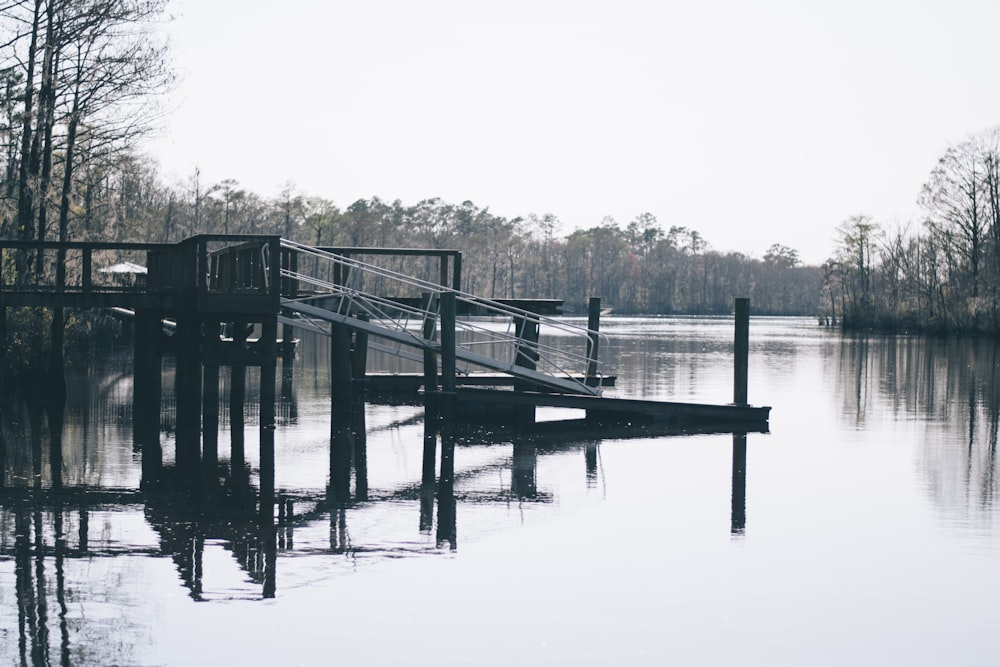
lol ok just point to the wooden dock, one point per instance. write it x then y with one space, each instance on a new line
215 290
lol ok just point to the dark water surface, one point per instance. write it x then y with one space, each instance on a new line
868 533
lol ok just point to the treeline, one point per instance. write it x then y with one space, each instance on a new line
637 267
942 276
78 82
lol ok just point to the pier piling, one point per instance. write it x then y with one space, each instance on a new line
741 351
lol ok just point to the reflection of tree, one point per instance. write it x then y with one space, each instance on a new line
53 627
950 385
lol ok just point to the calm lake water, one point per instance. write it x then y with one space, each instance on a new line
869 533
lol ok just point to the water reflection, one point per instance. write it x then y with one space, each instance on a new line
949 386
231 512
72 494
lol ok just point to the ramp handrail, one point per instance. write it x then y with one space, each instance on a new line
482 341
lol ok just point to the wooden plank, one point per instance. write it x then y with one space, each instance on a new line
603 405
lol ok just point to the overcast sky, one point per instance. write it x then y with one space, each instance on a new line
752 122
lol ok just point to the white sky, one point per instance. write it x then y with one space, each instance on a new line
754 122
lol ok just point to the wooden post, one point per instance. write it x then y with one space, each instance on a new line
447 405
3 358
359 432
448 310
443 273
210 418
237 402
447 524
742 351
187 392
146 373
429 462
340 372
456 274
341 440
268 371
359 352
593 340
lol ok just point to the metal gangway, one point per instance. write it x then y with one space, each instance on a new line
493 340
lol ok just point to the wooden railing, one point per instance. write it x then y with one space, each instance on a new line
209 273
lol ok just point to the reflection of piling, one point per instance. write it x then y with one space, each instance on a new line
55 416
590 456
429 462
359 432
268 545
447 527
741 351
522 478
738 518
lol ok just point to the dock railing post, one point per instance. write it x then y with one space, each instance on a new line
593 340
741 351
